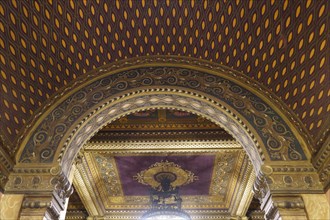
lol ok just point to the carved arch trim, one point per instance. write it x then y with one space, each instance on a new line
165 98
267 122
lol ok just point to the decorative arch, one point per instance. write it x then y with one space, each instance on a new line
272 137
251 107
167 98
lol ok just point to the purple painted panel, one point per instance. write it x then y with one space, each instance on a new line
200 165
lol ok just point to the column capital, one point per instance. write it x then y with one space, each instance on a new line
292 178
29 180
277 205
45 191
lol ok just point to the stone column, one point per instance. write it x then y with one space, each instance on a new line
279 206
39 207
290 207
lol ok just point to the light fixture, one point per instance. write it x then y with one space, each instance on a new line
164 179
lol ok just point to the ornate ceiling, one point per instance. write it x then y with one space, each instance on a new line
106 169
105 183
44 45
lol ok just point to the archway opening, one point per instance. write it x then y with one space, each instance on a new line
109 161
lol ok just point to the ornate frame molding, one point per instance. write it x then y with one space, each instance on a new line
234 98
88 170
179 61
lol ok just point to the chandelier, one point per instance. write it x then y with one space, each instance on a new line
164 179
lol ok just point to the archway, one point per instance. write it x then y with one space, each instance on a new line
270 135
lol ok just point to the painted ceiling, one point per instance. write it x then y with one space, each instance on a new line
45 45
111 160
222 172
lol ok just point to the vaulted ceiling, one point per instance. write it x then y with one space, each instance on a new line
44 45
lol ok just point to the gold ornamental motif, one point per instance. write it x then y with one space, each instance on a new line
157 171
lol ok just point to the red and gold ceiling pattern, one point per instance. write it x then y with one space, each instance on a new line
46 44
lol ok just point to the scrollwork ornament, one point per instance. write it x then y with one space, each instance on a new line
57 113
235 96
172 80
159 73
239 104
132 74
280 128
210 79
97 96
193 84
147 81
236 89
58 133
40 137
259 121
294 154
55 170
59 129
260 106
46 154
184 72
121 85
79 95
76 109
105 82
217 91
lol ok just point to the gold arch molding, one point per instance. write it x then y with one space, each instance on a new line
249 112
167 98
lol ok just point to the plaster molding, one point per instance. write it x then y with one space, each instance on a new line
247 194
147 136
168 145
39 180
195 214
88 193
193 63
200 69
322 163
292 178
241 193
